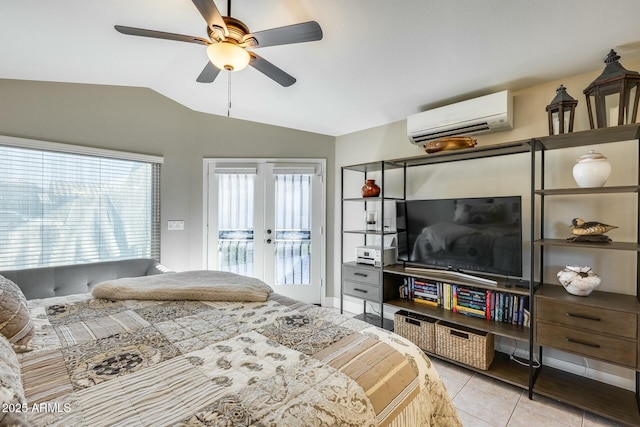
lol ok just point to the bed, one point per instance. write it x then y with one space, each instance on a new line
166 356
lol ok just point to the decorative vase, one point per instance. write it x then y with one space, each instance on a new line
591 170
370 188
578 280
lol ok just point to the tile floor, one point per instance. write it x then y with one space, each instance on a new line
485 402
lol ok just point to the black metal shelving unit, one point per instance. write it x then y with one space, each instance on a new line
366 169
503 367
602 399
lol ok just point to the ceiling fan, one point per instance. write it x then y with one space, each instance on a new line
229 39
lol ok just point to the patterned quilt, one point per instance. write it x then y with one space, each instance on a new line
100 362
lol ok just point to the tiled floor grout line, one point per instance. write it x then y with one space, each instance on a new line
515 406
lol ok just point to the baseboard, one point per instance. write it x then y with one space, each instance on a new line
356 307
609 374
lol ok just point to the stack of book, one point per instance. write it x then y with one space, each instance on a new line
483 303
425 292
508 308
470 301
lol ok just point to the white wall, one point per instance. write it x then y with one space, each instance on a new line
140 120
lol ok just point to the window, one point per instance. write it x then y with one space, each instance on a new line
59 208
293 228
235 222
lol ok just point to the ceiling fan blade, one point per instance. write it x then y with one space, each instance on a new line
160 35
296 33
208 74
270 70
211 14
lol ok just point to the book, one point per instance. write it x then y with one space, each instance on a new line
472 291
462 303
461 308
487 308
454 298
426 295
448 296
471 312
433 289
426 302
472 297
493 306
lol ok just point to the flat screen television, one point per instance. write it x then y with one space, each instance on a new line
481 234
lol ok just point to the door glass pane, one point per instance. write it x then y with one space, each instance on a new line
293 229
235 223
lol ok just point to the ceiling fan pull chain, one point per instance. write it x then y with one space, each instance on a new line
228 93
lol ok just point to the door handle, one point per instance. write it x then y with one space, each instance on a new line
268 241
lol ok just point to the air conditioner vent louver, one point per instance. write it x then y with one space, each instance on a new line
462 130
490 113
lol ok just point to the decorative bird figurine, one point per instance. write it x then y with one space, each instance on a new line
590 228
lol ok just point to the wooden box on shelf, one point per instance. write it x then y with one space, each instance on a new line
416 328
465 345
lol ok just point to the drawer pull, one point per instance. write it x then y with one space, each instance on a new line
361 274
360 290
582 316
588 344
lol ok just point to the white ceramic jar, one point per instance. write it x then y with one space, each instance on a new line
591 170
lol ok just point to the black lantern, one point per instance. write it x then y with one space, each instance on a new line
561 112
614 94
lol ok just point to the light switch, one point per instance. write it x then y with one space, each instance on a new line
175 225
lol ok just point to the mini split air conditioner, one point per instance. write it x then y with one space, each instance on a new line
490 113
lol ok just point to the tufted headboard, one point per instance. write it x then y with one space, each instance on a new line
81 278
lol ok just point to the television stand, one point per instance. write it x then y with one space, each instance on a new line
455 273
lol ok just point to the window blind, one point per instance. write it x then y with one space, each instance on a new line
59 208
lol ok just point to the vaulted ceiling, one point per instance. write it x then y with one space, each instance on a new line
379 60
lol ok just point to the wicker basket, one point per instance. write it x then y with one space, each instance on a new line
465 345
416 328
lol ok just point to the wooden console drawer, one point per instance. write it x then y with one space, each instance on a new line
362 275
609 349
591 318
361 290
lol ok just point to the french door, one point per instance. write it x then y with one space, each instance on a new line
265 219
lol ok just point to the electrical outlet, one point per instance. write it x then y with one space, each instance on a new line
175 225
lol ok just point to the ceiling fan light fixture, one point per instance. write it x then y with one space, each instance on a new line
228 56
